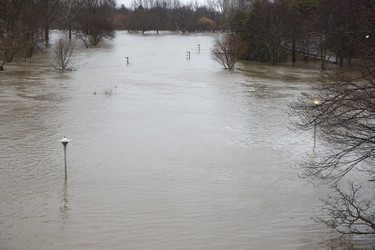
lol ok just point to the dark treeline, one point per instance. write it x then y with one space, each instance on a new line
340 31
337 31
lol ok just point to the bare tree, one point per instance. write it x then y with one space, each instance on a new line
227 50
63 55
48 10
344 114
70 11
223 7
8 49
94 28
95 22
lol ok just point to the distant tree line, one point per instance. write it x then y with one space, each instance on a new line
272 30
147 15
331 31
25 24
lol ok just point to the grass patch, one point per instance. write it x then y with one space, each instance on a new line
109 91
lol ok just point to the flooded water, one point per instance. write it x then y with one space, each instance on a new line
166 152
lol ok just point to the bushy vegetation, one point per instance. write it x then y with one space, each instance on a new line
63 55
227 50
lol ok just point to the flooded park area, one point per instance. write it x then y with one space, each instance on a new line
167 151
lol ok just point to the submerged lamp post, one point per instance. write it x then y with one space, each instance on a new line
316 103
64 142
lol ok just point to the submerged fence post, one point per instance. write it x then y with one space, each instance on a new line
64 142
127 60
199 48
188 55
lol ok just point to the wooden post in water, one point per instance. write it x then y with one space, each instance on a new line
127 60
199 48
188 55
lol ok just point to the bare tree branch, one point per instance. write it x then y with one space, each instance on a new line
348 212
345 117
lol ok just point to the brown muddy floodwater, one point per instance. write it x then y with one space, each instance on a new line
183 155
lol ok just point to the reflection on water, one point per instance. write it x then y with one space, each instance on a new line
183 156
64 209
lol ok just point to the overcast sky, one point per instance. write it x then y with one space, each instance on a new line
124 2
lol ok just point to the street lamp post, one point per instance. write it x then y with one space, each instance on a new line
316 102
366 48
64 142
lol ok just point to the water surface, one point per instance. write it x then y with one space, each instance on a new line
183 155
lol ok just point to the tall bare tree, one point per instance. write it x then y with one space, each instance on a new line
344 114
70 10
47 9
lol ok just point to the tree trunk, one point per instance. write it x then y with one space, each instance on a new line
293 50
70 30
46 33
322 60
341 61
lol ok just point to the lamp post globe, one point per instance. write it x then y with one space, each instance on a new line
64 141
